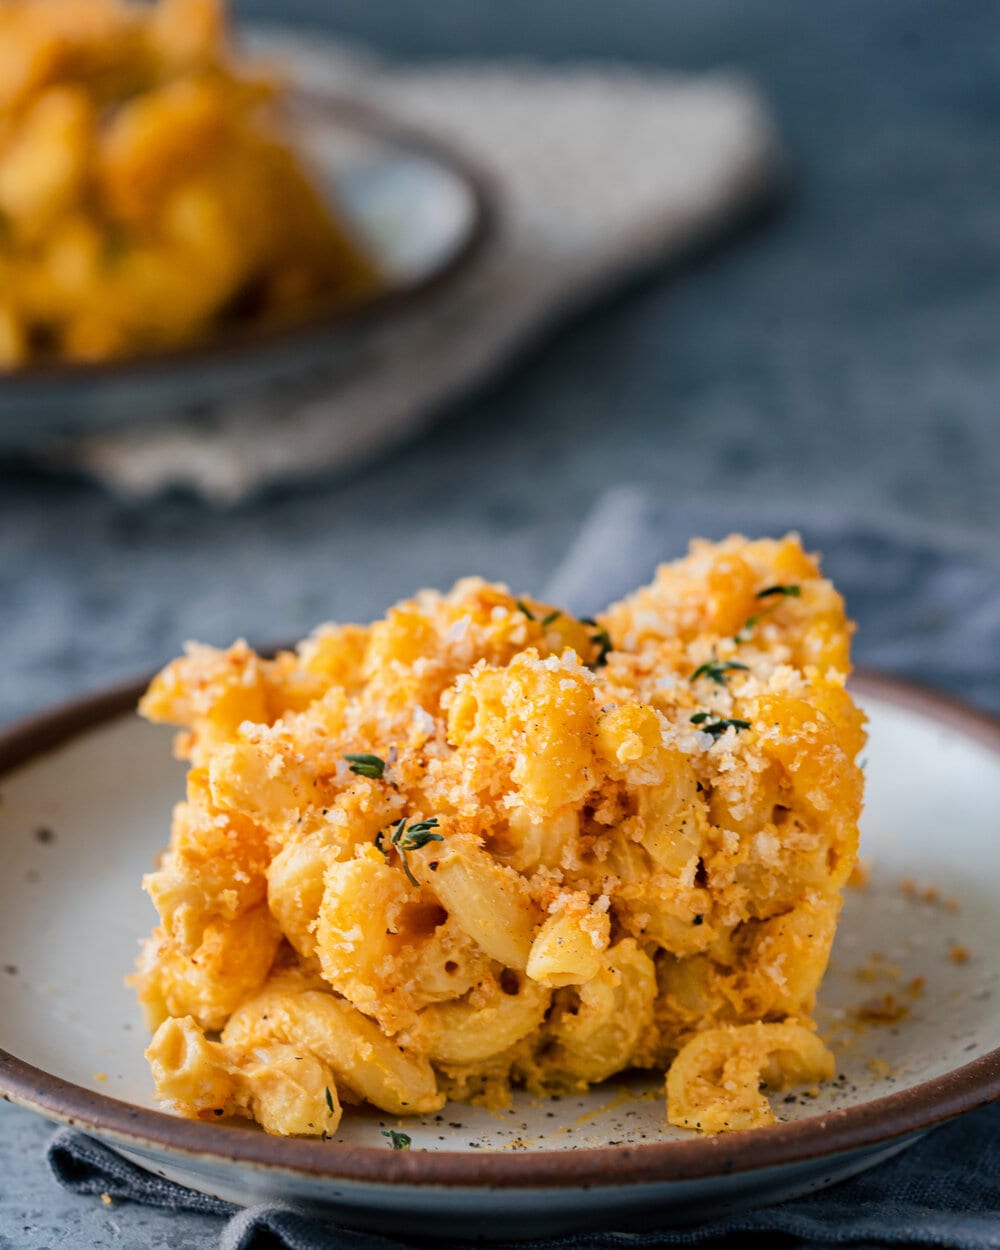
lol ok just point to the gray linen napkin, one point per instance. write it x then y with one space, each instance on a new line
927 607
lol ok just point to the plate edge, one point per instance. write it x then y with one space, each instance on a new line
882 1119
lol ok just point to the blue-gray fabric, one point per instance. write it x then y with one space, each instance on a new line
927 608
944 1191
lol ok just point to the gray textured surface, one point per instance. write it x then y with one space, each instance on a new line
36 1215
845 353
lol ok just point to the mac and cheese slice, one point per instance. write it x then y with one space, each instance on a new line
483 844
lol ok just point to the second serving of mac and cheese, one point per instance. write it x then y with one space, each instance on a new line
484 844
151 197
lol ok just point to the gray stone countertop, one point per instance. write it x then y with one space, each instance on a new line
844 353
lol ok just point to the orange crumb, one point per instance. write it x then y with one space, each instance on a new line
100 1076
106 1199
882 1009
959 954
929 894
879 1067
916 987
861 875
877 967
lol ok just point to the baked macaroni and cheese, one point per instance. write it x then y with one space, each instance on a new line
148 196
483 844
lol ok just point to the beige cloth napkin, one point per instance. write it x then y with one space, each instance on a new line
598 171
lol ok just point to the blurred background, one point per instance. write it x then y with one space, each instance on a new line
837 350
816 335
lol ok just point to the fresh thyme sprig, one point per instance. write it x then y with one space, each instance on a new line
408 838
709 723
716 670
775 593
365 765
601 640
397 1140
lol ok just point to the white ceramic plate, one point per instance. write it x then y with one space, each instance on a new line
86 798
420 211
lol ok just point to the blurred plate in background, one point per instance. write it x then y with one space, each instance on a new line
417 208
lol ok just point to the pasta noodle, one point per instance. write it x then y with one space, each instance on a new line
484 844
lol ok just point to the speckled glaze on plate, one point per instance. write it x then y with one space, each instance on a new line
86 796
419 209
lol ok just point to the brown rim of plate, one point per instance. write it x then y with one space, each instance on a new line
362 118
879 1121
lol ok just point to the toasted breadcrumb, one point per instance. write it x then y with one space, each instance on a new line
881 1009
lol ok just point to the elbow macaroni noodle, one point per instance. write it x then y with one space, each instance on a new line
481 844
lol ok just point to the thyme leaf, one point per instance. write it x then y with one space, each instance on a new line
709 723
545 621
329 1099
745 630
716 670
364 765
601 640
789 591
419 834
776 594
397 1140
